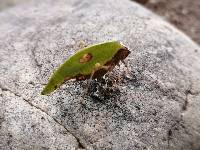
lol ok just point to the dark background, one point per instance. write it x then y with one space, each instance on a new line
184 14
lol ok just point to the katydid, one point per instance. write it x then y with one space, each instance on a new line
88 63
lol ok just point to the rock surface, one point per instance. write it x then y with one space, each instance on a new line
4 4
155 106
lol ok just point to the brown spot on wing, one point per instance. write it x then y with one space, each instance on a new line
86 57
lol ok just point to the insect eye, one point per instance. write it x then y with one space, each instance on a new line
86 57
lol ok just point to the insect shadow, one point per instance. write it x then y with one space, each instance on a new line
103 97
103 89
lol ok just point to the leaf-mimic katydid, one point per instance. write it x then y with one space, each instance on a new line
88 63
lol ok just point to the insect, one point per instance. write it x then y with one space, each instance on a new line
88 63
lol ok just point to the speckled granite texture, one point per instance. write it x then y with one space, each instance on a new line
155 107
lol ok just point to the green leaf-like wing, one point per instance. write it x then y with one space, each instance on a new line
82 63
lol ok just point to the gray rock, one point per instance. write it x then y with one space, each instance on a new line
155 106
4 4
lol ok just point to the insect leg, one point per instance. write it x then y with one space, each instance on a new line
87 88
91 76
98 66
90 80
128 72
125 63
